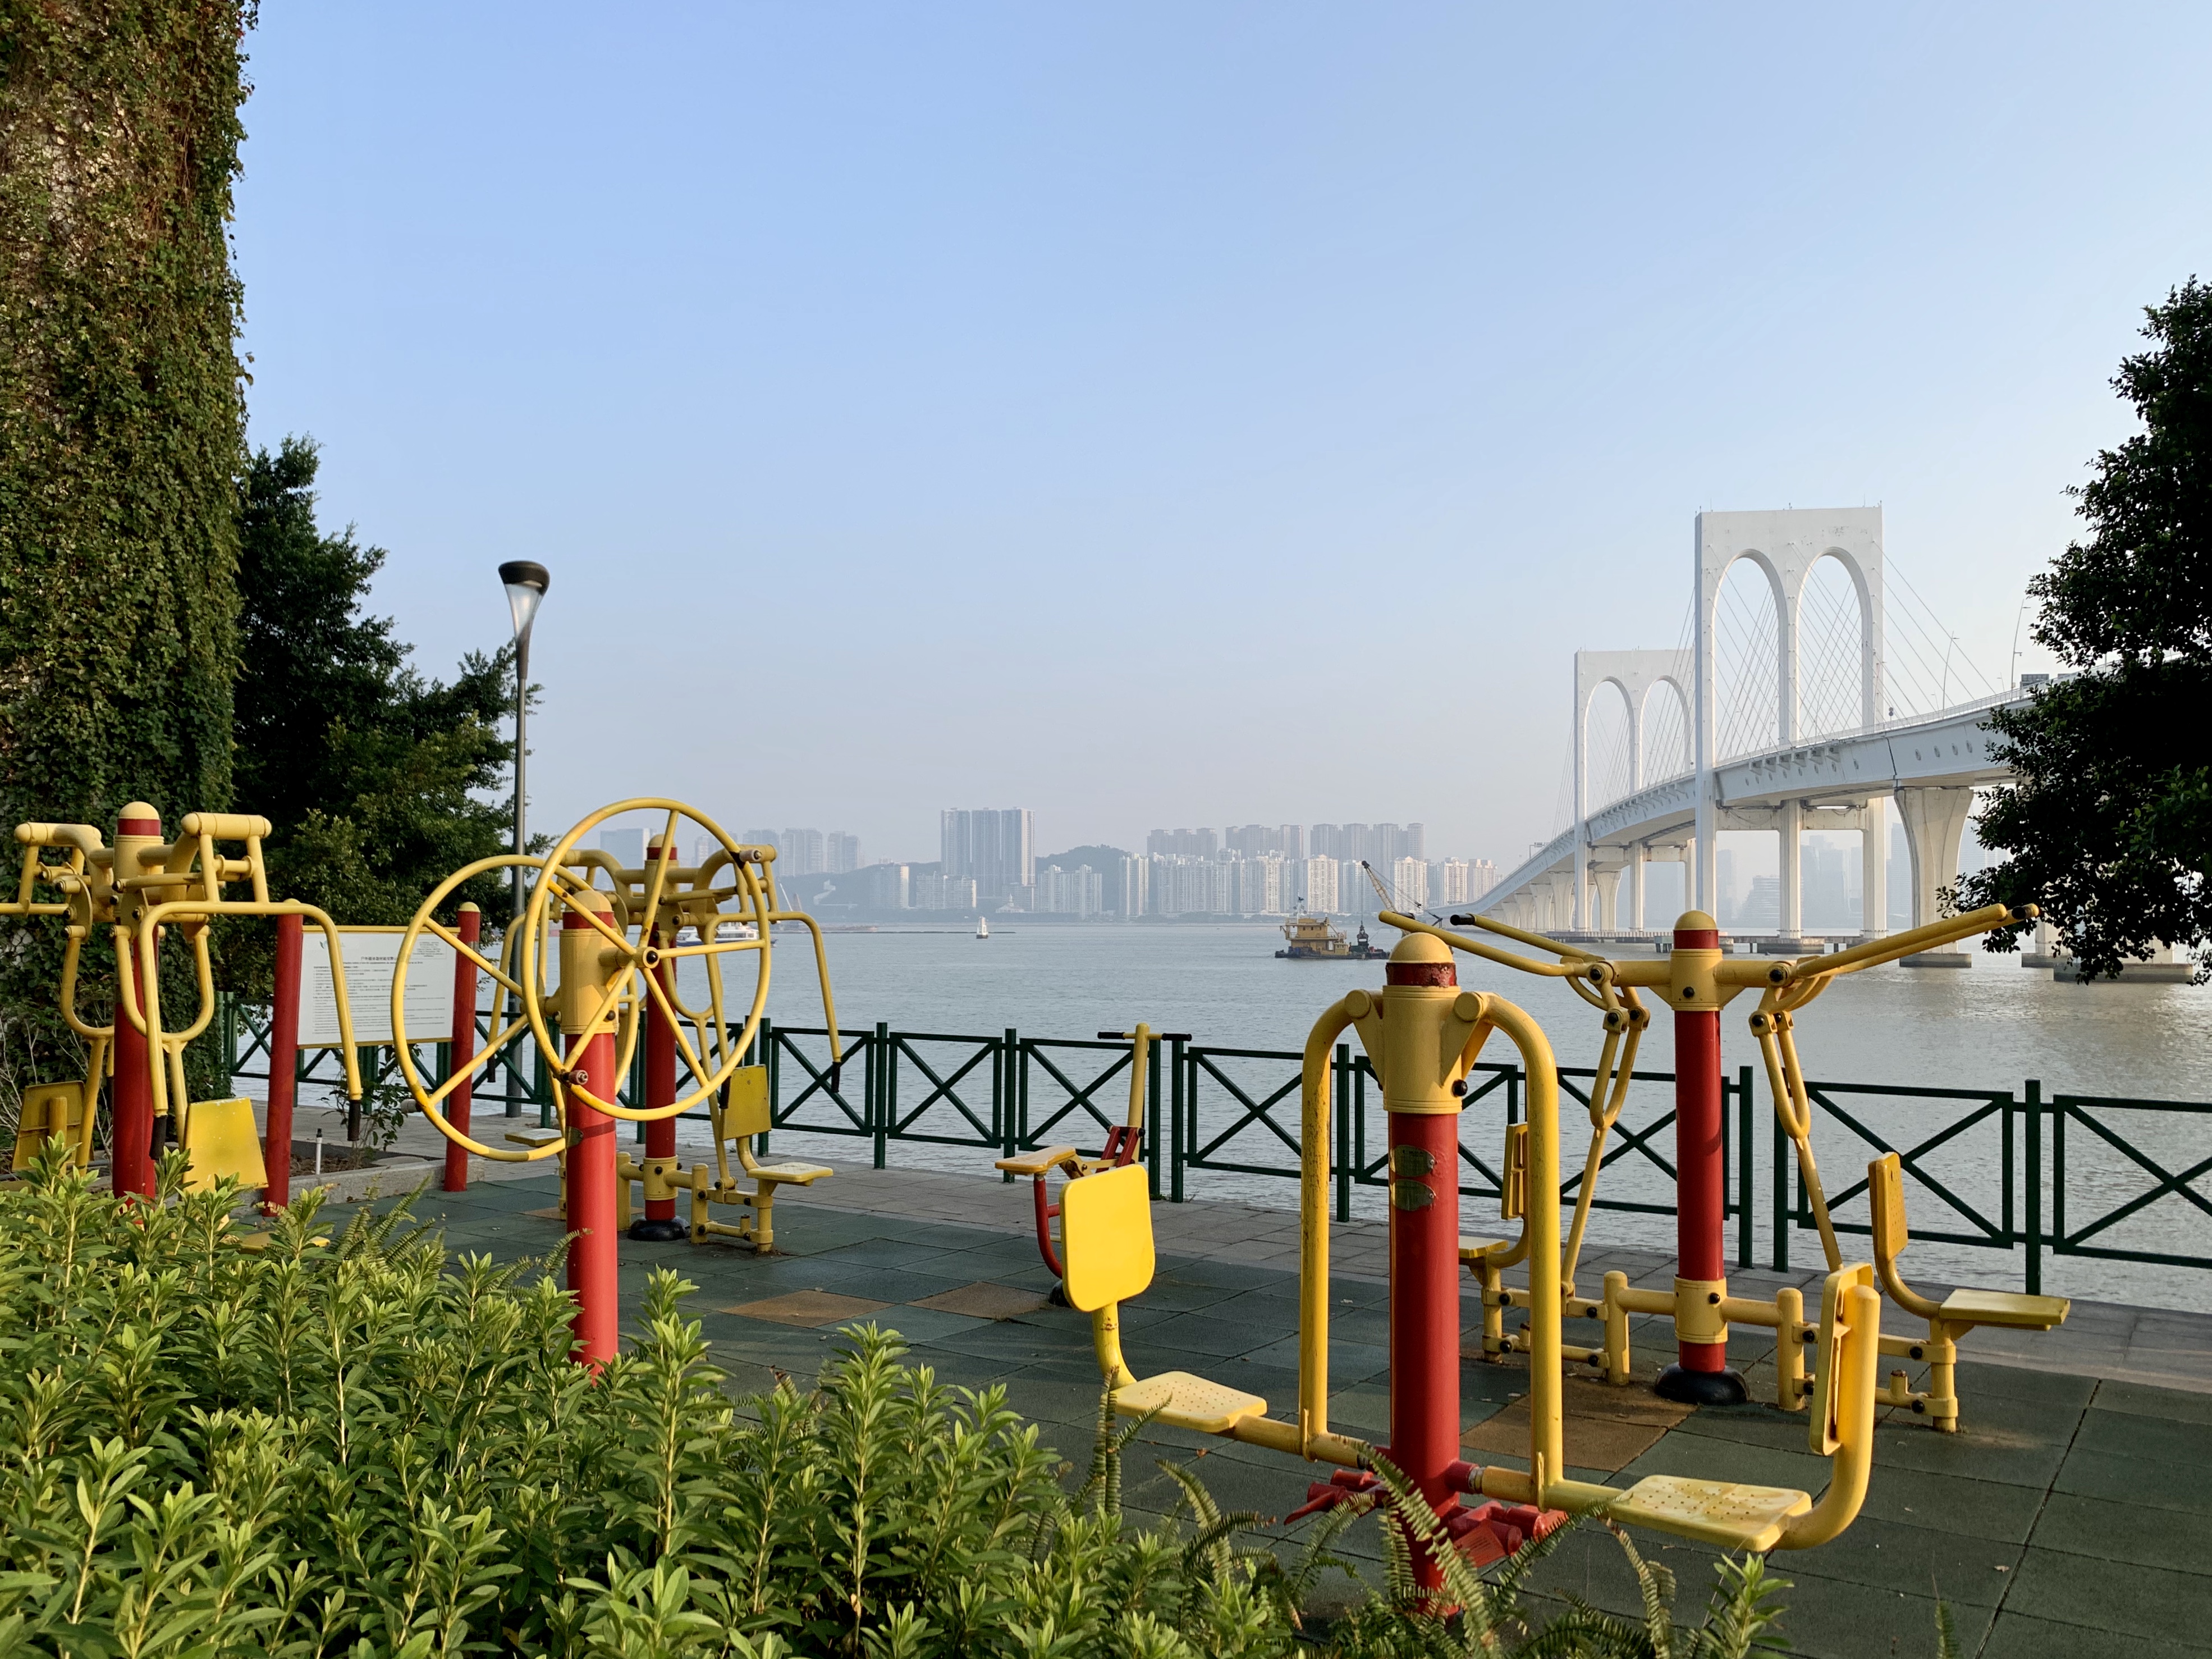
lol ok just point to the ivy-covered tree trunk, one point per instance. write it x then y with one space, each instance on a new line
121 409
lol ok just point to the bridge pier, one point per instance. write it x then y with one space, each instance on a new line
1607 882
1790 825
1635 854
1935 822
1873 867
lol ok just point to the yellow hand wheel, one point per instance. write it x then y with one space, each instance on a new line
657 903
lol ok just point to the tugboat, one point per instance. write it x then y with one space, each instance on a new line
1312 940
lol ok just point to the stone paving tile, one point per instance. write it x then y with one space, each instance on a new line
984 1300
2148 1603
1978 1508
811 1308
2131 1481
2073 1525
2015 1636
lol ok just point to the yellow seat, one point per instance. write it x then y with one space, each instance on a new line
1720 1512
2017 1312
1184 1401
1472 1249
1947 1320
741 1114
1106 1227
534 1138
222 1140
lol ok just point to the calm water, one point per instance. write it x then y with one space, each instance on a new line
1990 1027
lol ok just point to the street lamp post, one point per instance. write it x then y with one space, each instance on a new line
526 581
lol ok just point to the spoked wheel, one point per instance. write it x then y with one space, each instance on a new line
634 922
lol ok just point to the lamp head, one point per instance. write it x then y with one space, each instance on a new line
527 581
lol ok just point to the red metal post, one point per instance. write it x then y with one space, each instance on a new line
131 1167
284 1064
1424 1278
464 1046
590 1172
1700 1375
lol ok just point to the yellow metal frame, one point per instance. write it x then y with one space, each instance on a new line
1703 979
1108 1233
139 890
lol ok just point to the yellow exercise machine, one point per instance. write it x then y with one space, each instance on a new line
140 889
596 948
688 904
1124 1141
1422 1035
1696 981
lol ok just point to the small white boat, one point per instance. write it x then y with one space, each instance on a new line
982 927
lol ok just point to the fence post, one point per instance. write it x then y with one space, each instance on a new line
1344 1137
877 1072
1021 1065
225 1007
1153 1115
2032 1103
1745 1182
1182 1108
1779 1144
541 1085
764 1055
1002 1102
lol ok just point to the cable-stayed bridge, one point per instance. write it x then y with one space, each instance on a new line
1782 714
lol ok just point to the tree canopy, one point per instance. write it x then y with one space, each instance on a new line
2109 822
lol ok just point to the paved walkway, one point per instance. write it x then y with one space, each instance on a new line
2072 1514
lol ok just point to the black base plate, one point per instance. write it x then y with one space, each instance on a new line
670 1232
1722 1388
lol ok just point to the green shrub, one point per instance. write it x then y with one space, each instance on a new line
352 1446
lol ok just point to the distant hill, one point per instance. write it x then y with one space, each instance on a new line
1098 858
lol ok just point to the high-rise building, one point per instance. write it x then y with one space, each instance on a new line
627 847
801 853
1325 842
1411 878
995 848
1416 842
841 852
1460 881
1258 884
1078 892
763 838
1318 885
1136 887
1291 842
887 886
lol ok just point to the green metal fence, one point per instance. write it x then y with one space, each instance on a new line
2058 1176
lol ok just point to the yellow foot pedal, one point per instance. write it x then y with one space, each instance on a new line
792 1175
1470 1250
1736 1518
2021 1313
1184 1401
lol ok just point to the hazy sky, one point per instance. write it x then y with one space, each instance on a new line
1179 414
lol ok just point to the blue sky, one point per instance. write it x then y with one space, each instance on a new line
1174 415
